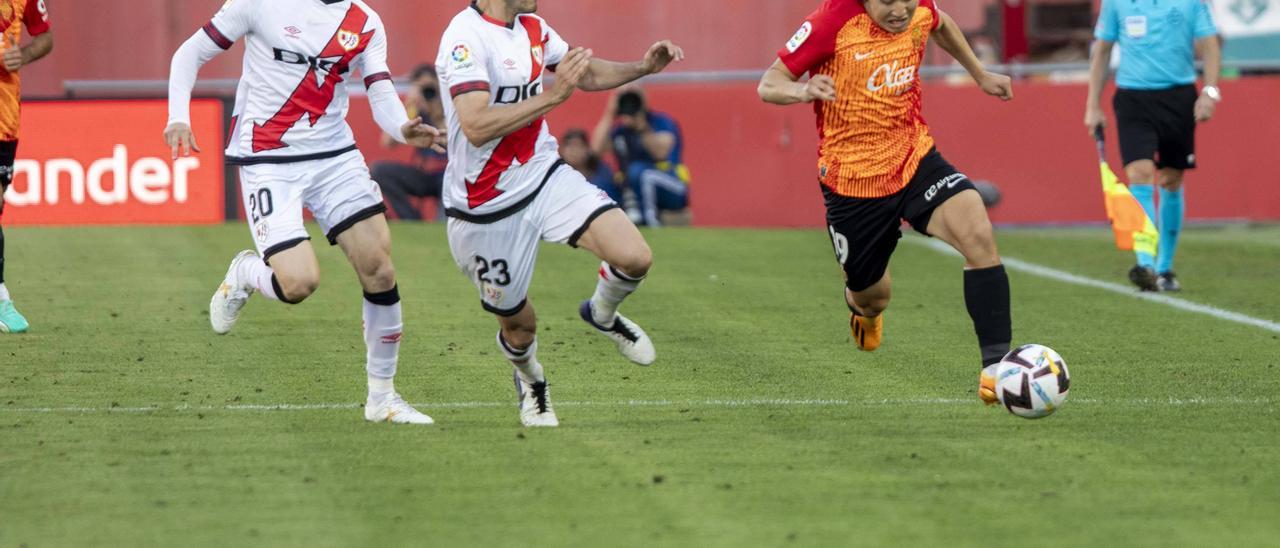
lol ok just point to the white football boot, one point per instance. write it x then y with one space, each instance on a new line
231 296
395 410
535 403
632 341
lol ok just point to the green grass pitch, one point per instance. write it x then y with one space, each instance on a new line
124 421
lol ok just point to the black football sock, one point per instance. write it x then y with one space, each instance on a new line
986 295
1 251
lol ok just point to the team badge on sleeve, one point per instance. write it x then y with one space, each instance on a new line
801 36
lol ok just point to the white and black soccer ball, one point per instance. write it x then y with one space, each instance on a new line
1032 381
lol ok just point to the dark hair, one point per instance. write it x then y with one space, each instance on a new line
593 161
630 103
576 134
423 70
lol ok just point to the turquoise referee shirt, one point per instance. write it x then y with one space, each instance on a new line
1157 39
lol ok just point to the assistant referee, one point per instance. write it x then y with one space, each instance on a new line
1157 107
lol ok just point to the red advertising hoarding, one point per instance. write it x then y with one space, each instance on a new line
105 163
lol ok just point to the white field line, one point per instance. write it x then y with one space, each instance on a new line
702 404
1074 279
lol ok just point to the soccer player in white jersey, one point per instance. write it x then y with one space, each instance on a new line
292 144
506 187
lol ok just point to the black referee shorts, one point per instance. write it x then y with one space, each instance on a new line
1158 125
865 231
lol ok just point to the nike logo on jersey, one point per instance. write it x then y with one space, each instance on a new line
863 56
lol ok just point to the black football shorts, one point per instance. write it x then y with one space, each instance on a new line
865 231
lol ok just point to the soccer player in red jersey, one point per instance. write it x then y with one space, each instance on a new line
877 162
15 14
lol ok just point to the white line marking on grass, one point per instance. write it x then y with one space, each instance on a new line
724 403
1075 279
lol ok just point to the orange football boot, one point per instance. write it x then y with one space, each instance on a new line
867 332
987 385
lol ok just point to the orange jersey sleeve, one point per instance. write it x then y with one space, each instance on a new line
873 136
14 15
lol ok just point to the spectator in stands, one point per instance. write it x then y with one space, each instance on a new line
575 148
649 150
421 177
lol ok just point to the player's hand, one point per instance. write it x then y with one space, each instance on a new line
12 58
1205 106
180 139
572 69
997 85
819 88
1094 118
420 135
660 55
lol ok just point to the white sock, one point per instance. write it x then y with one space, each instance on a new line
611 290
379 389
526 361
260 276
383 326
4 293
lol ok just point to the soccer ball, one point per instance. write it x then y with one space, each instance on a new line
1032 381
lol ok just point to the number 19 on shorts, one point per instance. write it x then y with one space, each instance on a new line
841 245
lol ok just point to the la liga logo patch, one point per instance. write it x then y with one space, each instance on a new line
461 53
800 37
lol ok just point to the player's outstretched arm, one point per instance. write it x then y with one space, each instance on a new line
482 122
183 70
952 40
392 117
603 75
780 87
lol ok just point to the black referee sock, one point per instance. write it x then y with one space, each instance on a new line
986 295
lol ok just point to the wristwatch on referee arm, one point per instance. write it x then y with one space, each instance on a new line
1212 92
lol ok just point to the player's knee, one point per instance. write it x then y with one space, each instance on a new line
383 277
636 262
869 304
297 288
1141 173
519 334
979 247
1171 182
378 276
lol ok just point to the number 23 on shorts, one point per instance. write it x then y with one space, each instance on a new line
492 272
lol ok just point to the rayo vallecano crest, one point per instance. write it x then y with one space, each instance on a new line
348 40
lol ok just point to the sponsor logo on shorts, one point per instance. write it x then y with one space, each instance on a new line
949 181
